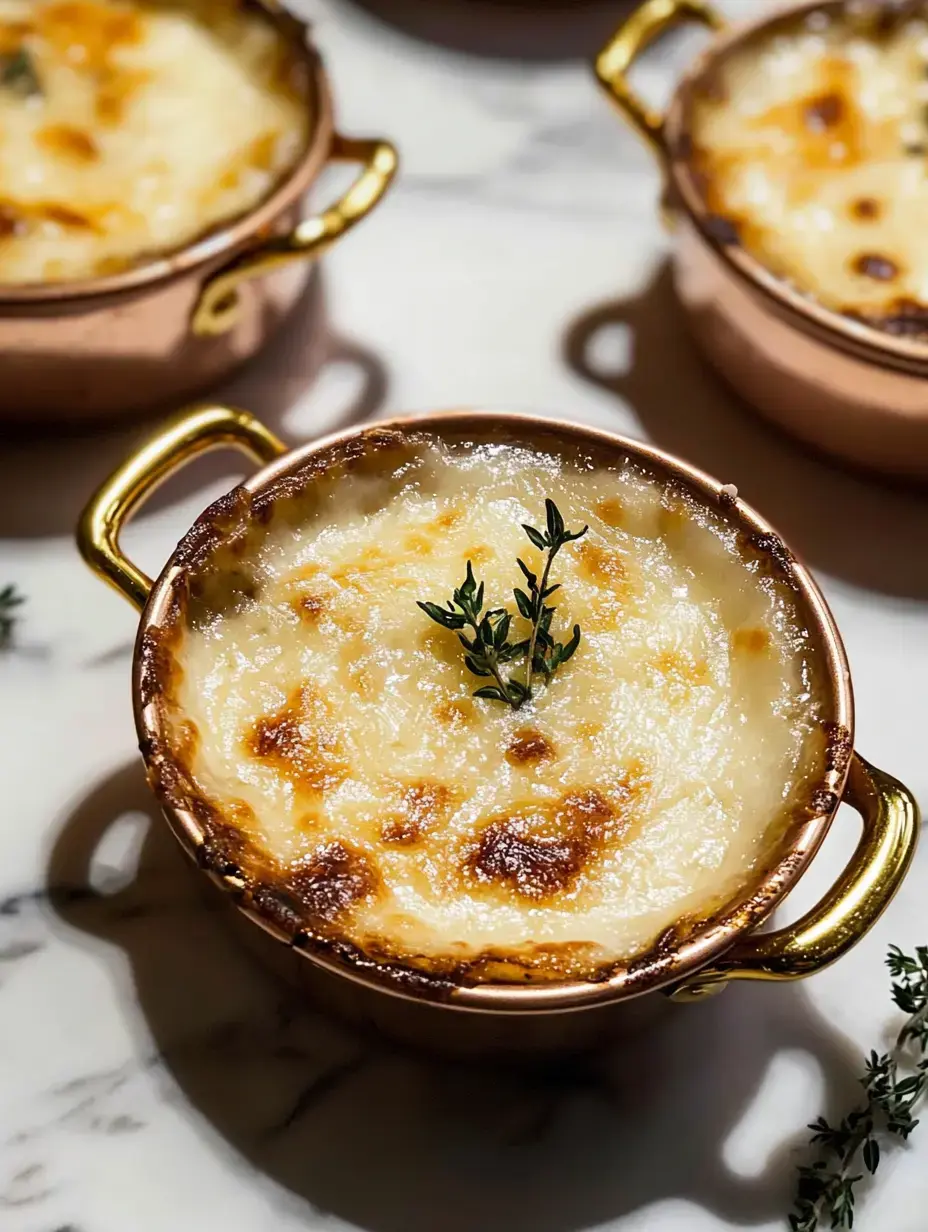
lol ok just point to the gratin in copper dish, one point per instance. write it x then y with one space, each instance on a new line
689 961
156 333
840 385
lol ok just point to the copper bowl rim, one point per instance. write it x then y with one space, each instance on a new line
830 326
659 968
226 239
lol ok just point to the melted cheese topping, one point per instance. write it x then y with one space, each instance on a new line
813 141
323 713
127 129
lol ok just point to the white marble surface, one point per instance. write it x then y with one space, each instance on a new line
150 1077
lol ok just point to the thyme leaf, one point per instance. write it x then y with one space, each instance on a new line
18 73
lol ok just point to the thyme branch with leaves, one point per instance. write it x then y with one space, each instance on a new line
827 1188
18 74
489 648
10 600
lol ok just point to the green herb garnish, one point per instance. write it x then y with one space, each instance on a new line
826 1191
489 649
10 599
18 73
544 654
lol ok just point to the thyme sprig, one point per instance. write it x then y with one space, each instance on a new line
18 73
827 1188
10 600
545 655
489 647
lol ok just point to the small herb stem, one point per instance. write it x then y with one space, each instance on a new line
850 1149
536 624
494 668
913 1027
490 647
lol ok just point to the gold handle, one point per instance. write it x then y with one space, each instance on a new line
645 25
848 911
184 436
218 307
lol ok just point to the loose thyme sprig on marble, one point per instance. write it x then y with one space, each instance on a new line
18 74
10 599
826 1190
489 649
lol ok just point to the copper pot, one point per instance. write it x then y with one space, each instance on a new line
155 334
686 965
836 383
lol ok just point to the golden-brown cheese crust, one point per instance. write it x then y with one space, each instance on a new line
130 128
809 142
536 854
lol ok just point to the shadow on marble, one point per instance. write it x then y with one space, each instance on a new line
528 30
47 476
853 526
390 1142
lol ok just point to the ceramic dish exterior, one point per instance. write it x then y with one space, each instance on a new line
685 963
145 337
836 383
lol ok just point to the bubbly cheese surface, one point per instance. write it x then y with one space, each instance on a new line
812 140
324 716
128 129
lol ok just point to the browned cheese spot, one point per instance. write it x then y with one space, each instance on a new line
362 679
309 607
480 555
116 89
68 142
160 673
682 669
612 511
423 806
357 573
418 543
866 209
259 155
540 851
874 265
12 222
332 880
18 217
528 747
449 519
12 36
828 125
907 319
86 32
604 566
457 713
751 641
823 112
301 742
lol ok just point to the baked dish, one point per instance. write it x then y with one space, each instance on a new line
129 128
325 735
810 149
